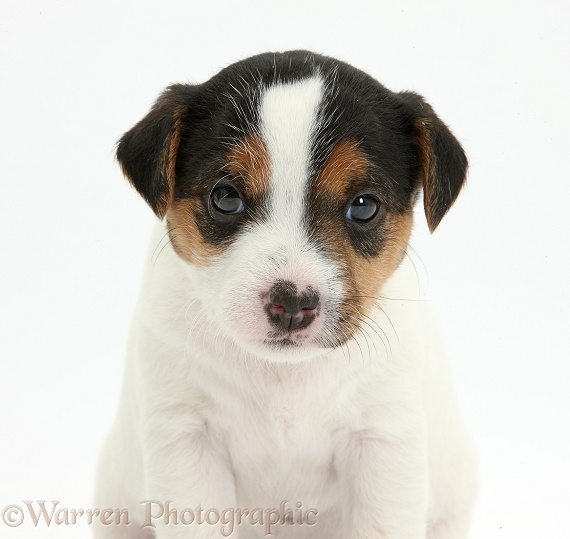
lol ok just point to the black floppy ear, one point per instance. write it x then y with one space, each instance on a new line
442 159
147 153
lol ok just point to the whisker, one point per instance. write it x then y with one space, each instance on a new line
154 259
414 265
364 334
369 321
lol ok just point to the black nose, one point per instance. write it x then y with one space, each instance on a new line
289 310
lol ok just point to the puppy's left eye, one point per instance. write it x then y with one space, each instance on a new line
227 200
363 209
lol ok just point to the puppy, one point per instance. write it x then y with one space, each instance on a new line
283 377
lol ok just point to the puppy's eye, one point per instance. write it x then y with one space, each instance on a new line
227 200
363 209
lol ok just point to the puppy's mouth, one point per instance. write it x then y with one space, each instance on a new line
280 339
280 344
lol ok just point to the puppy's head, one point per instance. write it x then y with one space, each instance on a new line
287 182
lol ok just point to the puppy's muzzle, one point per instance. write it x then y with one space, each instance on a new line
288 310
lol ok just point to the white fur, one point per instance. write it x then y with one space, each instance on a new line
367 434
276 249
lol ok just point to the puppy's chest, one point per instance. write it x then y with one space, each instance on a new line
279 444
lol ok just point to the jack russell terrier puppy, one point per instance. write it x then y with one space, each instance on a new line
283 377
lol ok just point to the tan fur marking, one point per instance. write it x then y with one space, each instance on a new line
171 155
345 164
185 235
428 175
365 277
248 159
370 274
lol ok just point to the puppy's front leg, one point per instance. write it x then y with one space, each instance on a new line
187 467
386 485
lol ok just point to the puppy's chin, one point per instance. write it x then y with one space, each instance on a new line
283 349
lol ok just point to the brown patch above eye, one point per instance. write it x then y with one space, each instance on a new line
248 160
369 254
196 237
345 164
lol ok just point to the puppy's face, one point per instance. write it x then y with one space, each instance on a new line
287 183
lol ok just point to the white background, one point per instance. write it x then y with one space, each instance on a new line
75 75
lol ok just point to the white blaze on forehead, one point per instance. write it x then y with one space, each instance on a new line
278 248
289 114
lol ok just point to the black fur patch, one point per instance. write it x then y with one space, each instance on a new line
401 135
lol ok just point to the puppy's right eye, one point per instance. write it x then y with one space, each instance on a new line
227 200
363 209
